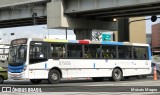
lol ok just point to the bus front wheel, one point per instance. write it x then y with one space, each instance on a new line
54 76
1 79
117 74
35 81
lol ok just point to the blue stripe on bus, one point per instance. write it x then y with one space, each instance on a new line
94 65
16 67
113 43
149 53
45 65
73 41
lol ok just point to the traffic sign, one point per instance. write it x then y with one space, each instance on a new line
106 37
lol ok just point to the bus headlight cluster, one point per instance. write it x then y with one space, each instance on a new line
24 68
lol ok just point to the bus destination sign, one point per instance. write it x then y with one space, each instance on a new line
19 41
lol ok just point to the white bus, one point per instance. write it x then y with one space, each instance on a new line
39 59
4 50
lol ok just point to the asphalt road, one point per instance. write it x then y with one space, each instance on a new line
84 87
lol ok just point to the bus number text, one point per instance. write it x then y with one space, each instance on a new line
64 63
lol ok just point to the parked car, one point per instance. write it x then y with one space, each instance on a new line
3 75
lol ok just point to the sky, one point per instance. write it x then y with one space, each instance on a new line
41 31
149 24
35 31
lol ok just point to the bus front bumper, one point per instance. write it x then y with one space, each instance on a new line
16 76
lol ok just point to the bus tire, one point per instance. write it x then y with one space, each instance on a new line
35 81
1 79
53 76
117 74
96 79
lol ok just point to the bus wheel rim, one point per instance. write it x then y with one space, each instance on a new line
117 75
54 76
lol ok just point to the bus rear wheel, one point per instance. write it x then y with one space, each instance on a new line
35 81
54 76
1 79
117 74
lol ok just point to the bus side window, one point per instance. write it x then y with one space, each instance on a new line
87 53
108 51
52 52
140 53
92 51
58 50
113 53
42 52
98 52
144 56
125 52
74 51
35 52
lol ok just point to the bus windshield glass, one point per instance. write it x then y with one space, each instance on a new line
17 55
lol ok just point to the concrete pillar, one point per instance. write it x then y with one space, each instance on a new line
137 30
123 30
83 34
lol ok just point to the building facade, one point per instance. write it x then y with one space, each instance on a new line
155 38
155 35
137 30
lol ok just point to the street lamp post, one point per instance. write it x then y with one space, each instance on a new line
47 31
66 33
139 20
153 19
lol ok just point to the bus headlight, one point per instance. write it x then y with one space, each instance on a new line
24 68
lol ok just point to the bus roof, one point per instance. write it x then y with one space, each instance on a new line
89 42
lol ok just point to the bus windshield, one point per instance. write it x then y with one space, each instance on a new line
17 55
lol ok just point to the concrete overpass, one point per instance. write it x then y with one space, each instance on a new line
15 13
20 11
81 15
105 9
